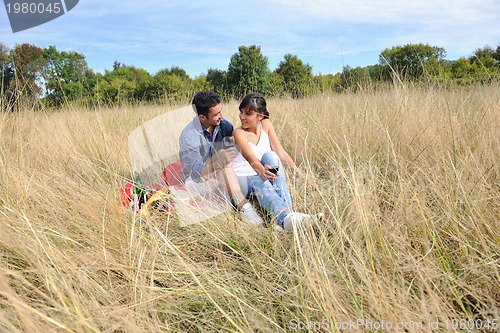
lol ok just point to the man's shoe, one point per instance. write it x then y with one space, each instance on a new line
248 214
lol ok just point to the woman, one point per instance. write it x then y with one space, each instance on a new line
259 164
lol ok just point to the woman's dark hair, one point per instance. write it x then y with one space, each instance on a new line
203 101
254 102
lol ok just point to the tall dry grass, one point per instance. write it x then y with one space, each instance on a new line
409 181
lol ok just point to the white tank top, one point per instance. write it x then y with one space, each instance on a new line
241 166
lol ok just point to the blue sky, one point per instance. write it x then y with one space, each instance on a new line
198 35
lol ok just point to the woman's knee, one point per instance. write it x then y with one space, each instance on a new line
270 158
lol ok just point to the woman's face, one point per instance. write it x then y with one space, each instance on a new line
249 119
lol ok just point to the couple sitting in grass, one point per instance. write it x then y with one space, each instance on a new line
242 162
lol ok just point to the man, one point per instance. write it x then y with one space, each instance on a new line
206 163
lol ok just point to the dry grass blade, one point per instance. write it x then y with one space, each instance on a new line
408 179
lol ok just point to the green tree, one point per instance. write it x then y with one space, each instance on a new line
27 64
171 84
461 68
325 82
66 76
353 78
121 84
484 64
296 76
248 72
411 61
179 72
496 54
200 83
217 81
484 58
6 70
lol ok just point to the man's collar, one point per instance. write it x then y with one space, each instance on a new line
198 125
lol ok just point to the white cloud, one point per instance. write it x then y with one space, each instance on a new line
202 34
394 11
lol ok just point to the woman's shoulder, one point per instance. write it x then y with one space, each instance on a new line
238 130
238 133
266 125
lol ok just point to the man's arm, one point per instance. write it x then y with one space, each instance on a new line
192 161
223 157
220 160
190 156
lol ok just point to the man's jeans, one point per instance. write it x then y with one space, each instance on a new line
273 196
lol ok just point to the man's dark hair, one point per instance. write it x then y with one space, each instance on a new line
203 101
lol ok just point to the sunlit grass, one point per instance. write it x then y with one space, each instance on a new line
409 181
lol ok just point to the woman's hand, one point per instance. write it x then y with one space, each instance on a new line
268 175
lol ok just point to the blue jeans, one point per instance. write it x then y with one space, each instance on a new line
273 196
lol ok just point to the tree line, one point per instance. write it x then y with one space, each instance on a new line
51 78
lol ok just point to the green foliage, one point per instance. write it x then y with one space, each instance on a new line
200 83
324 83
66 75
486 55
172 84
248 72
484 64
21 80
121 84
411 61
358 78
461 68
295 75
4 53
6 71
217 81
5 68
67 78
277 86
496 55
27 64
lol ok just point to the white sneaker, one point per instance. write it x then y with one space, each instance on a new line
315 219
292 220
295 219
248 214
278 228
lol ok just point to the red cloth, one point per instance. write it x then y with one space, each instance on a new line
126 194
172 174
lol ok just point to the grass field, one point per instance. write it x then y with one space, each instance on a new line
408 179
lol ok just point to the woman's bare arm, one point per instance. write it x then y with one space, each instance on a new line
247 152
285 159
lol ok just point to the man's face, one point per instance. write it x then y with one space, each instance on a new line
214 116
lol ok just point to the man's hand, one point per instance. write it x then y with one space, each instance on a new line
223 157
